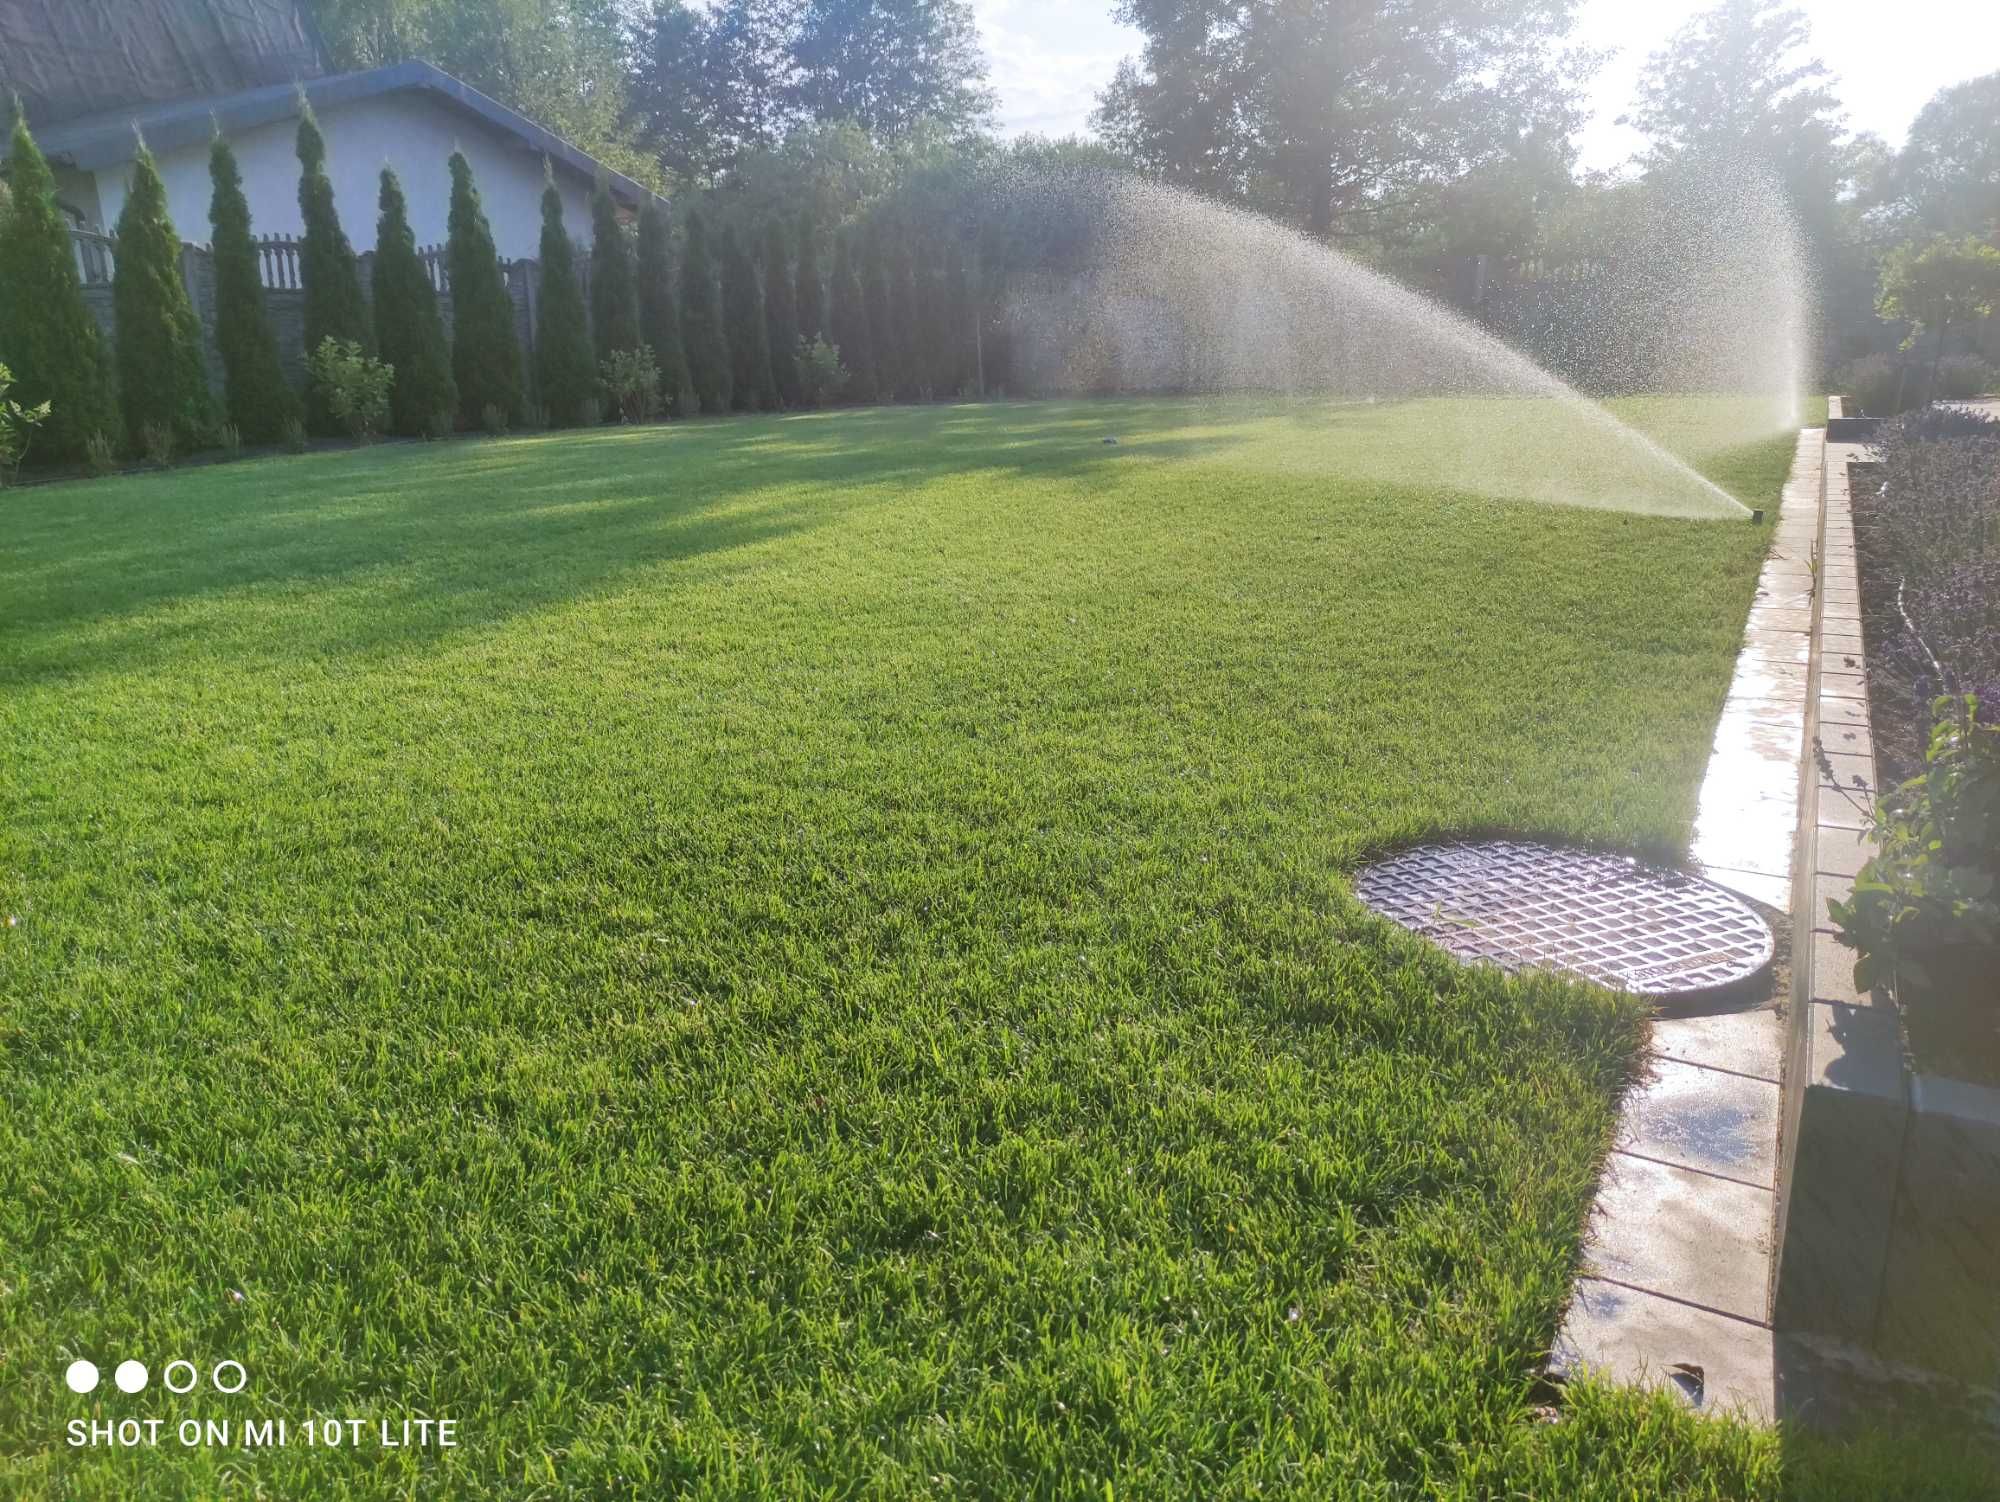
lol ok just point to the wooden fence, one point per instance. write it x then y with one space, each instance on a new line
278 266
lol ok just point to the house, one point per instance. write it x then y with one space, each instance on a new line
91 71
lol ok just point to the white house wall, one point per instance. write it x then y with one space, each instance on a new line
409 131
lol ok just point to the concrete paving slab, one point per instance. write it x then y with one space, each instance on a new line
1750 1043
1841 852
1758 886
1717 1363
1706 1119
1689 1236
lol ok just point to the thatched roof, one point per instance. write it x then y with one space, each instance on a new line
68 59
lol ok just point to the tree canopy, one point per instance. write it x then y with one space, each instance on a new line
1337 117
712 83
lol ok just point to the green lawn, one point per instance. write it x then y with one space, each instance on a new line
813 957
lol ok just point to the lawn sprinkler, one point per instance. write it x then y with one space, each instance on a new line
1756 518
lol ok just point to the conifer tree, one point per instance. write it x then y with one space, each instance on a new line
911 378
161 380
933 343
885 336
408 331
47 336
485 352
614 301
849 326
659 310
707 346
960 368
781 314
743 317
327 271
256 396
810 301
565 374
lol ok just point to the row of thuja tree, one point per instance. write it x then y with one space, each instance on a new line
686 324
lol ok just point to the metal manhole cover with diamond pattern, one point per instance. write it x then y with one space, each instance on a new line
1607 918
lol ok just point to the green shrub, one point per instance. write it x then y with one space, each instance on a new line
161 380
564 374
485 354
493 418
100 454
659 310
17 426
1931 895
328 274
46 333
255 393
229 438
633 381
821 375
1962 376
1882 385
409 334
781 322
701 324
156 442
749 339
295 435
354 385
614 298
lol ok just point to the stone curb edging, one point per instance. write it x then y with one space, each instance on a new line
1675 1285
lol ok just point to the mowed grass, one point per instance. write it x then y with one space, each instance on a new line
814 958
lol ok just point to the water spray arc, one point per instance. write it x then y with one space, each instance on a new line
1162 292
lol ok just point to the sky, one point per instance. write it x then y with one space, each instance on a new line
1051 57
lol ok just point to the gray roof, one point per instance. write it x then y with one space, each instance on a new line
71 58
106 139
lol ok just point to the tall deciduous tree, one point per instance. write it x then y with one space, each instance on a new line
1947 176
848 325
1338 116
659 310
702 334
749 340
614 299
716 81
485 352
563 63
47 336
808 295
781 320
327 271
1939 284
161 380
255 393
1734 85
565 374
408 332
889 65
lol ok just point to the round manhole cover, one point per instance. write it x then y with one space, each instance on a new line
1607 918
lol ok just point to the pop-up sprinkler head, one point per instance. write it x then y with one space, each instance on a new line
1756 518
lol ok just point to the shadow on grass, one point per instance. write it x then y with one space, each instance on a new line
447 537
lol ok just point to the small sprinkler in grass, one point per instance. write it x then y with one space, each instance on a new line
1756 518
1111 443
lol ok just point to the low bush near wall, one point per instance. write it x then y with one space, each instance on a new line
1925 914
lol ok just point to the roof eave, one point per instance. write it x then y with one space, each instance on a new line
91 145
